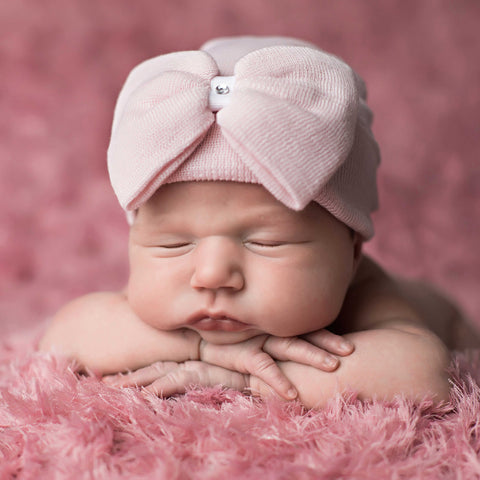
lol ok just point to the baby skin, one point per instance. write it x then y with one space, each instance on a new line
228 286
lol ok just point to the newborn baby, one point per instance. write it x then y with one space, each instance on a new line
247 170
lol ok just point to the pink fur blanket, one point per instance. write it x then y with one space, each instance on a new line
62 234
55 424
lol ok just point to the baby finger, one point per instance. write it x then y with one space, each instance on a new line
196 373
262 365
301 351
142 376
330 342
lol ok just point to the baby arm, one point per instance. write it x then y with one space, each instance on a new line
103 334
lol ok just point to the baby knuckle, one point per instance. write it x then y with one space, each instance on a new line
290 343
158 367
261 362
312 355
180 377
191 366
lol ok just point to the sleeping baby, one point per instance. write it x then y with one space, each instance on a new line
248 173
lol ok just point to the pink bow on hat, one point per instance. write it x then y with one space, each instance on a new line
291 118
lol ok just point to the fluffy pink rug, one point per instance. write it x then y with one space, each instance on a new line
54 424
62 235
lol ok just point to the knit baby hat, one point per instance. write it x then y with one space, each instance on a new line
268 110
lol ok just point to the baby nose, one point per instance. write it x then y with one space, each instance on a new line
217 265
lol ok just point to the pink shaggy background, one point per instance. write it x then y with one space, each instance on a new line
62 234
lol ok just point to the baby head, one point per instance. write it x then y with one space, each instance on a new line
250 166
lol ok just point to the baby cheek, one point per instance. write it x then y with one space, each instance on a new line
158 296
303 301
278 301
144 295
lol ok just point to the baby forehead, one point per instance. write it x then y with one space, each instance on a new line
211 199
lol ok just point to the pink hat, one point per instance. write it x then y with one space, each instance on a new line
269 110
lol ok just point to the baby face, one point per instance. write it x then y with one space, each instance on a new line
231 262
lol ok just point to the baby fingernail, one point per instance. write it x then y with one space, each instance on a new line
346 346
292 393
331 362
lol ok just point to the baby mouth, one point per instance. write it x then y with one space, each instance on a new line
209 322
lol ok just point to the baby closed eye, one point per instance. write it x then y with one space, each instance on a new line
187 246
265 243
175 245
273 247
171 249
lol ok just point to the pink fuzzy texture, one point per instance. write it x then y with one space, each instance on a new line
62 234
56 425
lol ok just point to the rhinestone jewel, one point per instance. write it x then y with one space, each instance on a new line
222 89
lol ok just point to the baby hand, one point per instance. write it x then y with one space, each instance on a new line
169 378
257 356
